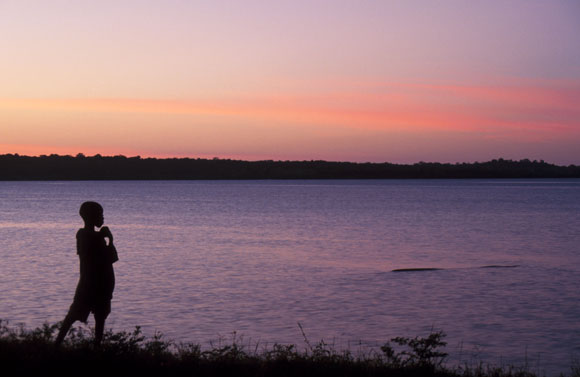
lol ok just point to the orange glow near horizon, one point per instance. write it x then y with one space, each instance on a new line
489 112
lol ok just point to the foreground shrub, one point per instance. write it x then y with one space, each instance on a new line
32 352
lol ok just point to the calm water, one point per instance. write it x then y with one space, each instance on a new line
200 260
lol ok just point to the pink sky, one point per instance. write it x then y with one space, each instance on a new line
336 80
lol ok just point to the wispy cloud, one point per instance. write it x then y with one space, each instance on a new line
499 110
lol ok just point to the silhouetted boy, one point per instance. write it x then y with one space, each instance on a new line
97 279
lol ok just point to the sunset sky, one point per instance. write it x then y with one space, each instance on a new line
396 81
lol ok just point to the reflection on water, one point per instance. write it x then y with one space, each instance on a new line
200 260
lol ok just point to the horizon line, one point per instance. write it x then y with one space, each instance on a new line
98 155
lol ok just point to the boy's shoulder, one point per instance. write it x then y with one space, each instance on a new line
83 233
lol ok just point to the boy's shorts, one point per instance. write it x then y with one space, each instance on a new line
79 310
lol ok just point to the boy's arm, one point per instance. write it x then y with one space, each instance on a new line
106 232
82 244
111 249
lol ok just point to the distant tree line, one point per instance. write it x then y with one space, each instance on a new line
80 167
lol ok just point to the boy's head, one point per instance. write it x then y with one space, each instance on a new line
92 213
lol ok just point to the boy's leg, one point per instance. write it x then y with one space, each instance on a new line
99 328
64 328
101 315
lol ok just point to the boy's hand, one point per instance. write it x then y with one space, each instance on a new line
106 232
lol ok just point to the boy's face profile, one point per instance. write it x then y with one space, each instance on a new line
99 219
92 214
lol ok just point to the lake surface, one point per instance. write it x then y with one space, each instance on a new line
202 259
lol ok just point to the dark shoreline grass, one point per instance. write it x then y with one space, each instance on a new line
32 352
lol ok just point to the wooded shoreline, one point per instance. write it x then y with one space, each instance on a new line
14 167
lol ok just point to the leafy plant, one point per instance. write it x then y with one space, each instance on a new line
417 352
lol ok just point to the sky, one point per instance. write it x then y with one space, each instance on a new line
378 81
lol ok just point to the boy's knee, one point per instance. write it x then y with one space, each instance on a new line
68 320
103 310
